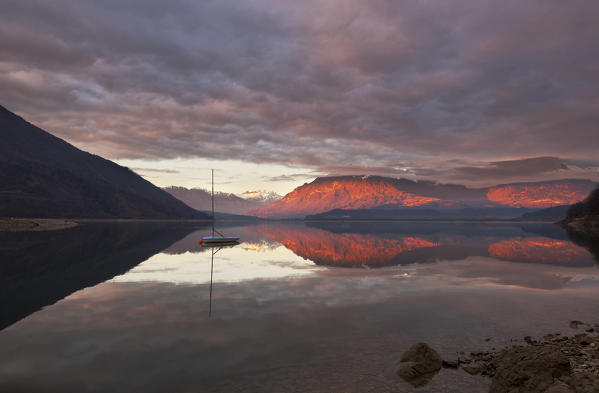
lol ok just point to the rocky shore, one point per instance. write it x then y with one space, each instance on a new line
585 225
34 224
582 223
553 364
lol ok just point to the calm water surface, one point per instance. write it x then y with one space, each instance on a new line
315 307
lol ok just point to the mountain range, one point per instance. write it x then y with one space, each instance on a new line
344 194
262 197
582 223
201 199
44 176
586 211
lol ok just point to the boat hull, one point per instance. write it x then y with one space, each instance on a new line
218 240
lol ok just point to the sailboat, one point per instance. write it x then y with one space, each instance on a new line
216 240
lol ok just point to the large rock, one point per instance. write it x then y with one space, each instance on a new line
559 364
559 387
529 370
583 382
419 364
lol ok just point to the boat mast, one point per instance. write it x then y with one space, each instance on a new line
211 270
213 202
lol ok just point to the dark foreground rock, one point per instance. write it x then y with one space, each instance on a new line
528 369
557 364
419 364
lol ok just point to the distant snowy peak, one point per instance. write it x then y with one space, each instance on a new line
261 196
201 199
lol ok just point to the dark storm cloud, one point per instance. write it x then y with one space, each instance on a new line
484 173
312 84
506 169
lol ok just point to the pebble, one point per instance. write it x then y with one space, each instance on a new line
575 324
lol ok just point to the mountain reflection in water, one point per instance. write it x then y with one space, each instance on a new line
40 268
344 249
538 249
354 245
177 319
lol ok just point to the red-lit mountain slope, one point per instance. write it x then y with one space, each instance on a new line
347 192
540 195
368 192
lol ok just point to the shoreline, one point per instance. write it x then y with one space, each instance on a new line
35 224
555 363
410 220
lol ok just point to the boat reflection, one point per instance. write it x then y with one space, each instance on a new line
215 248
352 245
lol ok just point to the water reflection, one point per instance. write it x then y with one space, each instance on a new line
241 263
465 254
39 268
588 240
378 244
186 320
213 251
347 249
538 249
384 244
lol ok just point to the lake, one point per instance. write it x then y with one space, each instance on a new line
295 307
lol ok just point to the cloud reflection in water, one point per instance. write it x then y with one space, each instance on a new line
464 255
281 322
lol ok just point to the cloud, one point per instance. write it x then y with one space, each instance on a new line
291 177
154 170
490 173
393 171
513 168
311 84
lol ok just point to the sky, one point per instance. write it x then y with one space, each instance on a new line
275 93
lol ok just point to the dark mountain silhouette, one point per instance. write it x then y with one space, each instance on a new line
44 176
40 268
377 192
582 223
587 210
551 214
